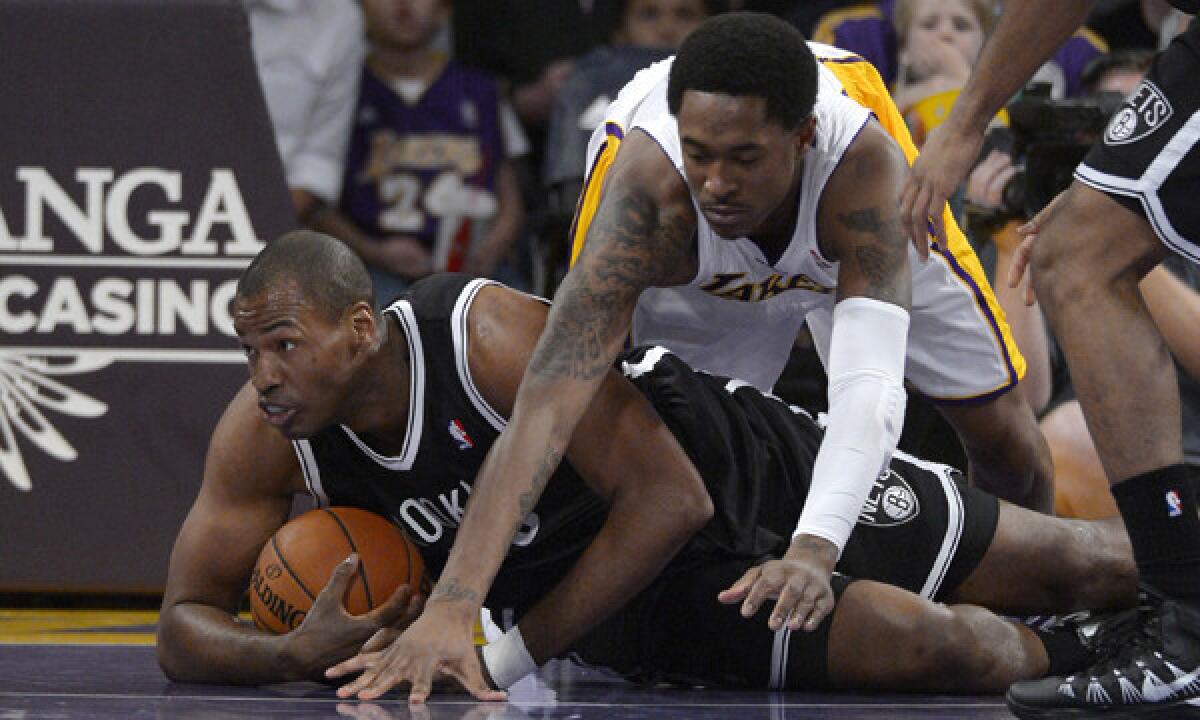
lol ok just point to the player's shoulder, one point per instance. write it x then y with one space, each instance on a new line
845 72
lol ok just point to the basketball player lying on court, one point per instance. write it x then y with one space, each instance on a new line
654 549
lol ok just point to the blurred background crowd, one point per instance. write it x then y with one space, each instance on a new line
434 135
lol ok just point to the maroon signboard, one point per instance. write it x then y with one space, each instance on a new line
138 176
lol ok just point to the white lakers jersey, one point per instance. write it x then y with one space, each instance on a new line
740 314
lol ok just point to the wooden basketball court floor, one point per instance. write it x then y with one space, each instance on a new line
100 664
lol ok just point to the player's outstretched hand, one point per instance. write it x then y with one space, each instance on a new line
947 156
328 631
438 645
1024 252
799 583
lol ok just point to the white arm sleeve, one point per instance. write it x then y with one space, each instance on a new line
866 412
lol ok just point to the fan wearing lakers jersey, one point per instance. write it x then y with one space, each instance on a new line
738 191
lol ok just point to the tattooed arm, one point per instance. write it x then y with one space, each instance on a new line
858 225
642 236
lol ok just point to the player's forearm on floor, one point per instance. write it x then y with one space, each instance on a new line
198 643
644 530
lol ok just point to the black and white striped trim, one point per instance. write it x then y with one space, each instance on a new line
461 336
416 395
1145 188
312 472
779 657
955 523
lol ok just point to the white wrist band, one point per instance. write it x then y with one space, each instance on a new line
507 659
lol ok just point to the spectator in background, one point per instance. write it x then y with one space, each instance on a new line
867 29
428 184
531 45
308 54
805 14
938 43
645 31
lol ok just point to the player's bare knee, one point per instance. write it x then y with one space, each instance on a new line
1067 262
945 654
967 660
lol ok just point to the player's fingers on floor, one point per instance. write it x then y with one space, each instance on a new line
369 674
351 665
421 687
387 678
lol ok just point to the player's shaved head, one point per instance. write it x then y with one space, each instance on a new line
327 272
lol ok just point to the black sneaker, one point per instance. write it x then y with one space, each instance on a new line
1148 667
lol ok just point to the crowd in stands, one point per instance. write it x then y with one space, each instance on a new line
435 135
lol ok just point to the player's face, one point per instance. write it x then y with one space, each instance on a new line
300 361
660 23
740 165
948 22
404 24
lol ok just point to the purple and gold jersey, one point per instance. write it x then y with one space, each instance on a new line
425 168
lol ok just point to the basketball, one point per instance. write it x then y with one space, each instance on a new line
297 562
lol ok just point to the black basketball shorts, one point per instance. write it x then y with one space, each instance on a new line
921 529
1148 158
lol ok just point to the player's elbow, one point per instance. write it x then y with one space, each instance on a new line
170 654
172 649
692 508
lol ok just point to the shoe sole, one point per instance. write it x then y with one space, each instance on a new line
1178 709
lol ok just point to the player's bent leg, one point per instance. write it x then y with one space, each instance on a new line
1008 455
879 637
1039 564
1087 263
886 638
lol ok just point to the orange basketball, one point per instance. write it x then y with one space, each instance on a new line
299 559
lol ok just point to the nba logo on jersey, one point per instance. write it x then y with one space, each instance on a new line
459 433
1174 504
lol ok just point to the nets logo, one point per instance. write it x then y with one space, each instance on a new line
1146 110
890 502
116 266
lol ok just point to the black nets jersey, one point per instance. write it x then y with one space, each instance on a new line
425 488
754 452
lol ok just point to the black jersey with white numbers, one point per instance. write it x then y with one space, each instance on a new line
754 452
425 488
